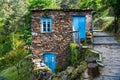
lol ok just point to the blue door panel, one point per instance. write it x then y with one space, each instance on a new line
50 61
79 24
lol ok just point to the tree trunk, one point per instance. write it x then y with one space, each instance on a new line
115 24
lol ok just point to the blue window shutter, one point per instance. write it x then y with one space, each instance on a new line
51 25
42 25
47 20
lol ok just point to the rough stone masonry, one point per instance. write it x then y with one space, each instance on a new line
58 40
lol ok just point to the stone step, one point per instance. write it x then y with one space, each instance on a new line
110 73
108 44
112 64
112 60
115 47
97 30
115 61
86 47
111 78
107 67
111 67
95 51
102 36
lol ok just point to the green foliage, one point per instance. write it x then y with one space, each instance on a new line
104 23
12 74
26 30
85 53
13 57
59 69
12 23
70 4
77 73
93 4
115 4
84 64
40 4
85 42
103 8
5 48
75 54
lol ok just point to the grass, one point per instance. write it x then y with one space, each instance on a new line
11 73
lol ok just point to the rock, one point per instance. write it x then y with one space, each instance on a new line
91 60
76 73
44 76
62 73
93 69
56 77
86 76
69 70
64 77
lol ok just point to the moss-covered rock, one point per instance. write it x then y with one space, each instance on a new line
77 73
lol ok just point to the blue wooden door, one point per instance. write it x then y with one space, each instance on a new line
79 24
50 61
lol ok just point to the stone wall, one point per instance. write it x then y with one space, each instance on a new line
58 41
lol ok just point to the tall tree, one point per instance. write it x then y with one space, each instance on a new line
115 5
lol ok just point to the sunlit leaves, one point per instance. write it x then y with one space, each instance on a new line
11 15
38 3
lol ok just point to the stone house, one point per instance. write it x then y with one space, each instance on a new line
54 29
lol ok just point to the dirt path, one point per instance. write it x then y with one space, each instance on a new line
110 54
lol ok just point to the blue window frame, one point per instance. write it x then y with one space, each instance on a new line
46 25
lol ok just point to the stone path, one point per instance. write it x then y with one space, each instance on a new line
110 55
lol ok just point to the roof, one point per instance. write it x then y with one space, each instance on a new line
37 10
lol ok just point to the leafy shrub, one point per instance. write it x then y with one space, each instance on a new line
5 48
59 69
11 73
75 54
85 53
13 57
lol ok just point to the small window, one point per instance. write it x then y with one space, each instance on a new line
46 25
